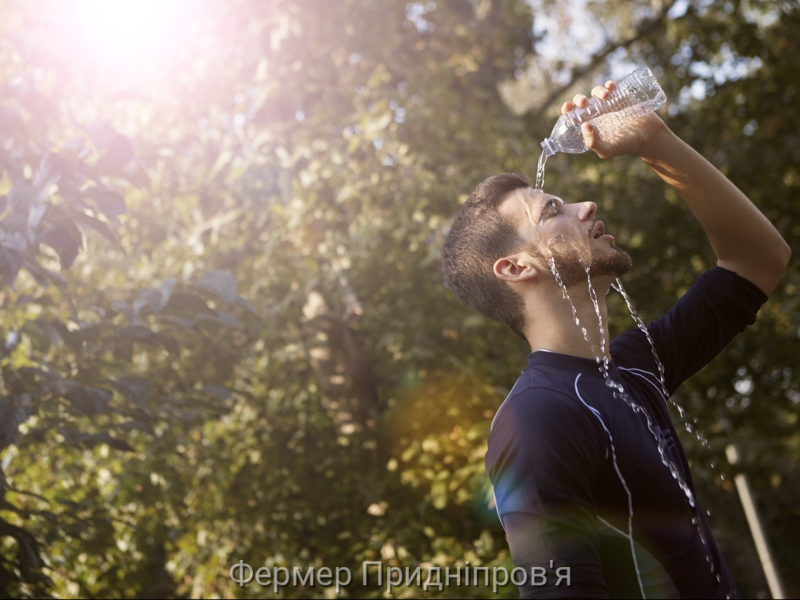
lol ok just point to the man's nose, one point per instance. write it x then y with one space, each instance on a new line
587 211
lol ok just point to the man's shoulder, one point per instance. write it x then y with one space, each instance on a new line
542 425
534 407
717 307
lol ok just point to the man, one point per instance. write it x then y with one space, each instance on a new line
589 476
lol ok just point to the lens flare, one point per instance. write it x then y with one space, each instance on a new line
124 31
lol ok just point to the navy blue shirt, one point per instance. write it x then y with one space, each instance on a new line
569 459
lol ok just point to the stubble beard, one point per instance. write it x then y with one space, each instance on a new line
572 269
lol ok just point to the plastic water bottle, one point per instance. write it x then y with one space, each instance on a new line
636 95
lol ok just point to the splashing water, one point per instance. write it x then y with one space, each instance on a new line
689 426
601 358
617 285
593 298
603 364
661 449
604 369
618 391
539 185
557 276
616 387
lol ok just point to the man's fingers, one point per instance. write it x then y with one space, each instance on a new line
600 92
590 136
580 100
594 142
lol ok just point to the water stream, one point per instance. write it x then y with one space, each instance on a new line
540 172
689 426
616 387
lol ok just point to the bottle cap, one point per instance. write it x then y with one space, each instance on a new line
549 147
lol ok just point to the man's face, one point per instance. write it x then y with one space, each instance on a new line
569 234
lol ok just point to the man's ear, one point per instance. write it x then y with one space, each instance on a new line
515 268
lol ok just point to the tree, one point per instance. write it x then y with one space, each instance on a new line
308 157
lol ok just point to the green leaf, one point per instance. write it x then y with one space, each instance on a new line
40 338
123 308
169 344
216 391
97 225
116 149
187 304
214 326
88 399
71 338
135 389
221 317
123 351
105 438
49 171
13 412
110 203
138 425
155 299
23 195
142 334
137 332
10 264
220 283
180 322
65 239
44 276
27 554
242 302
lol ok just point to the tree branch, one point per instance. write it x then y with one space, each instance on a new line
642 30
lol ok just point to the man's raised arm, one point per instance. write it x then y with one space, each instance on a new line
743 239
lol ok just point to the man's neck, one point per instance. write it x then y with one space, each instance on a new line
553 325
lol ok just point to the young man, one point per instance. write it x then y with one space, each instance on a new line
588 471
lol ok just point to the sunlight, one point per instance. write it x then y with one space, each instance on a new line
125 30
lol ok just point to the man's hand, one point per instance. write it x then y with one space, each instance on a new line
744 241
633 138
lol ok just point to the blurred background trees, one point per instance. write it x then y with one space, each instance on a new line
225 334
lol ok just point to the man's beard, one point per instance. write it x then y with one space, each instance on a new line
572 269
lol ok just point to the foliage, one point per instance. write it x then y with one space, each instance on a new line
156 427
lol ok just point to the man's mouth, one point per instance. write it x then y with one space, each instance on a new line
598 231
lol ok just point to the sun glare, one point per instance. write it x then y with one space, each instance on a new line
125 30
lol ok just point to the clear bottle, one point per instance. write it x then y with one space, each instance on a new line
636 95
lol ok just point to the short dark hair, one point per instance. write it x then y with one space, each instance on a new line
480 236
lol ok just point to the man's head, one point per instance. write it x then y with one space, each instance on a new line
505 239
479 236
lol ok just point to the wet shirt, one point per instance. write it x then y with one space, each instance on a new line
576 468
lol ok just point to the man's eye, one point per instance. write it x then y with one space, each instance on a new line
551 208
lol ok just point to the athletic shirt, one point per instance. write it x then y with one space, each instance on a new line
558 489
